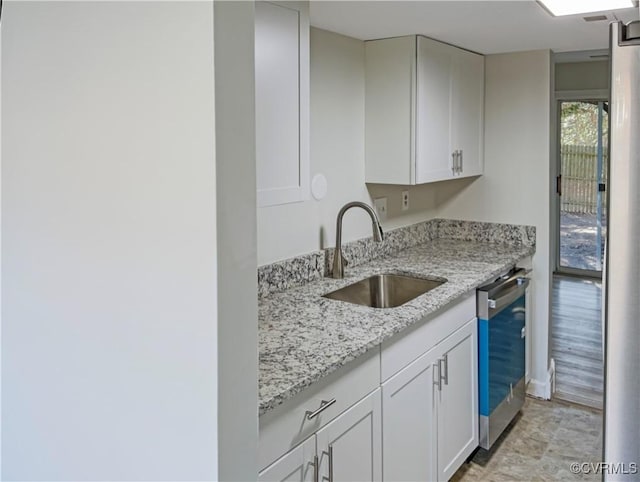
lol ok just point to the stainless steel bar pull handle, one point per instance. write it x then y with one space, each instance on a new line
453 161
461 160
508 296
437 379
324 404
330 463
316 471
445 377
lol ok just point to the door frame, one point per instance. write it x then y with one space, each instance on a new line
594 95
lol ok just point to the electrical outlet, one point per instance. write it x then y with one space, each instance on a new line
381 207
405 200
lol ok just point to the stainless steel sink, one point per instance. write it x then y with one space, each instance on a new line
385 290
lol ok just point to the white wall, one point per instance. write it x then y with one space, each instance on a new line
109 250
337 151
236 220
582 75
515 187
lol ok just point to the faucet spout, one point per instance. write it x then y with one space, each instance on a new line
378 235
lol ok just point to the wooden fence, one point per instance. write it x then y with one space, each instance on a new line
580 178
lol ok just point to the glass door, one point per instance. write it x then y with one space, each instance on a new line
584 133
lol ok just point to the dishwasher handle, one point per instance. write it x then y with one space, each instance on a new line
497 304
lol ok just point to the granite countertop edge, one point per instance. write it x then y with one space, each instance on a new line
327 334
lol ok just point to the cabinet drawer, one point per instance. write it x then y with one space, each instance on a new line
287 425
401 350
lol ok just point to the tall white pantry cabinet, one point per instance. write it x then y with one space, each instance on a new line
424 111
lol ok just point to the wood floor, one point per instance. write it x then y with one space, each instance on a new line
576 340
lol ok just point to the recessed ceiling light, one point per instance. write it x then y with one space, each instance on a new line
573 7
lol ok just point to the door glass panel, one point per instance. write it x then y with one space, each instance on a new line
584 129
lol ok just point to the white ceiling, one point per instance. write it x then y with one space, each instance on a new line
483 26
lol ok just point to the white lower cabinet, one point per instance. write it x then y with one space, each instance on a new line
409 422
430 411
419 424
348 448
457 400
298 465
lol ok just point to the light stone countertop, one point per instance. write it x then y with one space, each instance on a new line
303 337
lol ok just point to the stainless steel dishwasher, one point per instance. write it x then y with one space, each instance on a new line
501 352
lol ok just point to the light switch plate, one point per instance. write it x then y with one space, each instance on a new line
381 207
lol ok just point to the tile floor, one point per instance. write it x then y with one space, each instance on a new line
540 445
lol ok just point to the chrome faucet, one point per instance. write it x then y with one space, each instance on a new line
338 261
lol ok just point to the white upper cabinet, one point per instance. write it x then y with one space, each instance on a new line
434 117
424 111
389 110
282 102
467 113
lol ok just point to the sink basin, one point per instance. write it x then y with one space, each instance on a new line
385 290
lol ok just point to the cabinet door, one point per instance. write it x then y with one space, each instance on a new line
295 466
389 110
282 102
433 111
349 448
467 110
457 399
408 421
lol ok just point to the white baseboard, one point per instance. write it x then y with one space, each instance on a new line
544 388
539 389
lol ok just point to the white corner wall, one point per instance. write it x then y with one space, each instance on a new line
516 184
110 365
236 241
337 151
